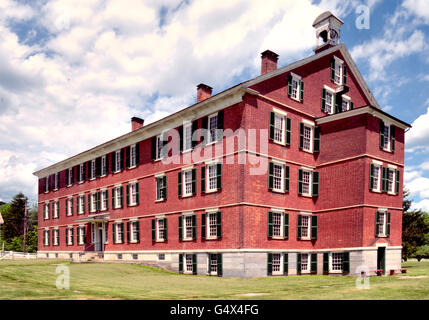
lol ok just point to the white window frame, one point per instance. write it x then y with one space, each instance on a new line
118 160
378 188
281 264
310 149
47 184
185 174
56 181
159 229
308 255
69 236
332 102
103 199
392 182
208 166
185 227
46 210
117 233
103 166
338 63
282 117
187 137
81 166
282 177
310 182
382 227
210 236
55 241
308 218
81 209
388 146
81 235
69 177
280 236
133 156
93 202
297 79
133 194
69 207
93 169
159 186
56 212
133 229
186 265
47 235
331 265
210 264
211 140
348 100
118 197
158 151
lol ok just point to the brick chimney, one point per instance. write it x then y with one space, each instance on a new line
268 61
136 123
203 92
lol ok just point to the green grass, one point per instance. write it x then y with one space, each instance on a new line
36 279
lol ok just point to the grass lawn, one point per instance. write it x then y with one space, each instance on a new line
36 279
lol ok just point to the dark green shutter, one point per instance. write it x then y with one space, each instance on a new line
181 129
89 202
269 264
397 181
332 69
179 183
219 224
298 263
138 231
314 227
204 133
203 179
219 176
352 105
165 229
288 131
381 134
371 176
114 232
313 265
113 197
344 74
388 224
377 227
203 225
299 181
164 188
153 229
323 100
270 176
271 126
137 154
384 179
315 188
137 193
128 195
128 157
194 129
194 264
219 265
289 85
194 181
286 225
180 227
270 225
194 227
128 232
285 263
392 138
122 196
180 263
220 120
301 96
346 262
287 176
299 226
316 144
325 262
301 135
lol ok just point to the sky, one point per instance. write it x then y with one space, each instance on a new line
73 73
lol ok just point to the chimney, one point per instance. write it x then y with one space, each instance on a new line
268 61
203 92
136 123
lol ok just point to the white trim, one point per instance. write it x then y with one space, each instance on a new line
159 175
391 166
213 161
379 163
338 60
329 89
278 162
294 75
187 213
278 210
382 244
310 123
187 168
212 210
280 112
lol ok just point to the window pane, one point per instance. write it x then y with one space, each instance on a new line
277 224
276 262
278 177
337 261
305 226
278 128
306 182
212 128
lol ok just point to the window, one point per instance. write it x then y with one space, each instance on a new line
189 263
46 209
278 225
46 235
81 204
159 147
81 172
133 194
336 261
119 232
305 263
93 202
345 104
211 225
106 233
118 197
69 206
104 199
69 236
277 264
187 183
56 211
375 177
215 264
133 231
56 181
187 137
387 136
56 235
212 178
82 235
133 156
47 184
338 71
308 183
103 166
93 174
188 227
295 87
70 177
161 188
278 177
382 224
161 229
212 129
280 128
118 161
92 232
390 181
328 96
307 227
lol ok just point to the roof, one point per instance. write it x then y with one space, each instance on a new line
325 15
203 108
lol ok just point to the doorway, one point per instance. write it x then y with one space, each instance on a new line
381 259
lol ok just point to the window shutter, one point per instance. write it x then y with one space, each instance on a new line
220 120
138 231
44 237
181 138
72 206
179 183
122 153
299 181
287 174
219 176
114 226
219 224
203 225
314 226
53 209
137 154
301 95
323 100
313 266
346 262
384 179
288 131
84 235
298 263
270 225
388 224
180 227
315 188
344 74
194 181
164 178
98 167
286 225
48 234
271 126
397 178
316 142
204 127
352 105
270 176
122 196
128 195
128 157
377 227
371 176
194 138
219 265
194 264
153 149
98 202
269 264
113 161
128 232
165 229
180 263
285 263
137 193
301 135
326 262
392 138
72 235
203 179
299 226
122 231
194 227
381 134
153 229
289 85
113 197
332 69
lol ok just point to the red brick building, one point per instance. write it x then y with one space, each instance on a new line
295 171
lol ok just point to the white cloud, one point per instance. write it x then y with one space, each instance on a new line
421 205
419 8
417 137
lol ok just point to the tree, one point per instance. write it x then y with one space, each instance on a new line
422 252
414 228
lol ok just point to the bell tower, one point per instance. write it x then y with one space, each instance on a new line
327 31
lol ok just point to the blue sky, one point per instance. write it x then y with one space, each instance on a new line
73 73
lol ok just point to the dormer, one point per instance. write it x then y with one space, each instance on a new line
327 31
